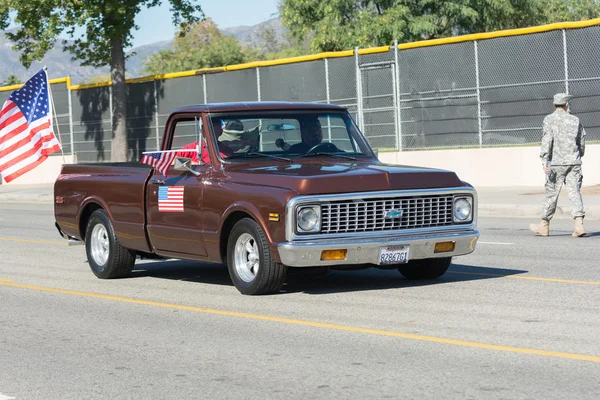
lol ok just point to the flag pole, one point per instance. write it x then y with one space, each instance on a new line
55 117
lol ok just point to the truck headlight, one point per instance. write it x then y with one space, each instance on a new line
463 209
308 219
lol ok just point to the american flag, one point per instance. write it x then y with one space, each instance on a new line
159 160
26 135
170 198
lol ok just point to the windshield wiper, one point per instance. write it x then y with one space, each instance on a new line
240 155
328 154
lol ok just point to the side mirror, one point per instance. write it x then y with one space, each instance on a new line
185 164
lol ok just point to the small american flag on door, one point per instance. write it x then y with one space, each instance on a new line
170 198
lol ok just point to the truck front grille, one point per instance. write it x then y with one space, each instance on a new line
370 215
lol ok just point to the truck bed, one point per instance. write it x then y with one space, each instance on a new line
82 188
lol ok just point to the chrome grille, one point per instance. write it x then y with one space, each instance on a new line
369 215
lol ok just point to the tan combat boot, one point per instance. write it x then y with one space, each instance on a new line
543 228
579 231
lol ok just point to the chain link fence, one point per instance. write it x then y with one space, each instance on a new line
478 93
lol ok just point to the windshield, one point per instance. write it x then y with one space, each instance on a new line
288 135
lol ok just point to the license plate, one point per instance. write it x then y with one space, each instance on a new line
393 254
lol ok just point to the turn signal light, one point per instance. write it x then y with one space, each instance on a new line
333 255
444 247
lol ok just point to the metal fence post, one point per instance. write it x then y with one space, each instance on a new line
71 133
397 104
564 34
156 115
204 88
359 99
327 93
328 96
258 82
478 94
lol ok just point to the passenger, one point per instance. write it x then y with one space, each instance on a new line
224 150
311 133
238 139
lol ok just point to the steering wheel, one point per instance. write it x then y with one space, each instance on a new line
326 147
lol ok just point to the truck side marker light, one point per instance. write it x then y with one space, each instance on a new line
274 217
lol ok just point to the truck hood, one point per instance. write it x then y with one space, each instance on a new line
312 177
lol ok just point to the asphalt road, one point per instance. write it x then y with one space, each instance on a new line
517 319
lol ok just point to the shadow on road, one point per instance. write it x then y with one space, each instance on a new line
334 282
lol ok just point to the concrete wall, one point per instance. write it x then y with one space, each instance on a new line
46 172
516 166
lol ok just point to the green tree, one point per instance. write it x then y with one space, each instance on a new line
572 10
344 24
12 80
266 44
203 46
108 27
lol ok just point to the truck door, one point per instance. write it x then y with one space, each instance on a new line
174 202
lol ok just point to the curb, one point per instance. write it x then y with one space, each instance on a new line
16 198
530 211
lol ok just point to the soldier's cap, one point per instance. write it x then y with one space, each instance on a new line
561 99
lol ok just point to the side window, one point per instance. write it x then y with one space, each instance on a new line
184 134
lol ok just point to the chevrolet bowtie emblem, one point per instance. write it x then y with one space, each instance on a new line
391 214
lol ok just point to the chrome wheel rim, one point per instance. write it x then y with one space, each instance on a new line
99 245
247 258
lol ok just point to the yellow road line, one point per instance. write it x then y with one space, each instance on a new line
531 278
5 280
32 241
290 321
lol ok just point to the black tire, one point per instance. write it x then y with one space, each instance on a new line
119 260
430 268
269 276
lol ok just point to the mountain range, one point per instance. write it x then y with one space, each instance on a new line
60 65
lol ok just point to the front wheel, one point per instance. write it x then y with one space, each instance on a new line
251 267
430 268
107 258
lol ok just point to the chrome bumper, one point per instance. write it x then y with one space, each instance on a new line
366 251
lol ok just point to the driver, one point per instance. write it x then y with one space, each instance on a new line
311 133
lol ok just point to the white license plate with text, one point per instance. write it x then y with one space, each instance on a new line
393 254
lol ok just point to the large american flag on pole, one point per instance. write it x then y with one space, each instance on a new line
26 135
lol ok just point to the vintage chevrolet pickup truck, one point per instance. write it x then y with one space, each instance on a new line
266 186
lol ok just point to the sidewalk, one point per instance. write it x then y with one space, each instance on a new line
493 201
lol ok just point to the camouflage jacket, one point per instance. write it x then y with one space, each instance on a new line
563 139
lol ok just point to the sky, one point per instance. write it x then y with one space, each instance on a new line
156 25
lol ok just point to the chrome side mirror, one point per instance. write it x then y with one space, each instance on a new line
185 164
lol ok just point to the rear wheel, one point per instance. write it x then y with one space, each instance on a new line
107 258
251 267
430 268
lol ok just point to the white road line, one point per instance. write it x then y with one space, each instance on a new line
5 397
498 243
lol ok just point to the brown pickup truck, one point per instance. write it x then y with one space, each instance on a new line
263 187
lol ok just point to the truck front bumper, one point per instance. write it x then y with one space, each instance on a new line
367 250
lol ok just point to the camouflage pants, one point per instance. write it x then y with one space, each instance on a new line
571 176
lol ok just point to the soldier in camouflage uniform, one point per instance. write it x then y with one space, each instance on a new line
563 145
